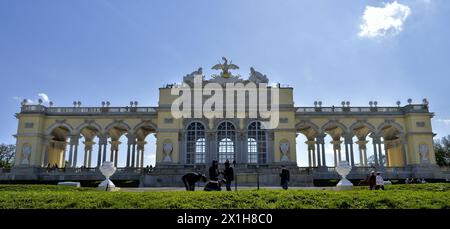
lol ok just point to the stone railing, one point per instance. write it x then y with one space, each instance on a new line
86 110
416 108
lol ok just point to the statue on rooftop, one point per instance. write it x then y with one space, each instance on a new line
225 67
257 77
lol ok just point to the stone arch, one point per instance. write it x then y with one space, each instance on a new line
196 120
146 123
387 123
232 121
354 129
122 124
334 122
305 123
359 123
89 124
57 124
306 127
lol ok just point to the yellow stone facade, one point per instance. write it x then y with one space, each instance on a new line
400 132
399 136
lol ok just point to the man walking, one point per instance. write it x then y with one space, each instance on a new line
371 180
284 174
228 174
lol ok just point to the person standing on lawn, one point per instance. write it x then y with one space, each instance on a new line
372 180
284 174
228 174
379 182
214 171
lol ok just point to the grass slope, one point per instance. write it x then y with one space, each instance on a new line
57 197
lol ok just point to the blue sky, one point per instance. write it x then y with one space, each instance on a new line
96 50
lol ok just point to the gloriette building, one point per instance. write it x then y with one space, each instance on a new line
400 138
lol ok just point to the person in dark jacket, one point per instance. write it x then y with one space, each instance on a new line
285 176
214 171
372 180
214 185
228 174
189 180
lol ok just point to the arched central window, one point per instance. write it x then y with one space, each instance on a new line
226 136
256 144
195 144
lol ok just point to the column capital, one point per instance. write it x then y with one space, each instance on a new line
74 139
376 138
348 137
310 142
131 139
102 139
320 138
115 144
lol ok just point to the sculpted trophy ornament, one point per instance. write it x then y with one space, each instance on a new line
257 77
423 152
189 78
107 169
26 152
343 169
284 147
167 149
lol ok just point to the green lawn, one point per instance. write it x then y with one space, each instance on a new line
394 197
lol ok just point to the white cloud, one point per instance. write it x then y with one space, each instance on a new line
445 121
44 97
382 21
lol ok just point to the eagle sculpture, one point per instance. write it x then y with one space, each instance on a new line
225 67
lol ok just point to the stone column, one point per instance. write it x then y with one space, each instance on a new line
70 154
87 152
103 141
321 142
46 148
347 157
337 150
386 153
375 140
182 150
404 144
99 158
349 142
114 151
318 151
362 151
140 149
89 165
380 153
213 146
133 155
270 147
324 161
104 149
311 156
130 141
142 158
75 154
